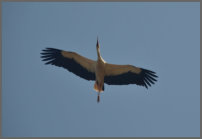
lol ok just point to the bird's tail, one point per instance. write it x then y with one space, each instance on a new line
98 88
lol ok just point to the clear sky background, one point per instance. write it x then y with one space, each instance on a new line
46 101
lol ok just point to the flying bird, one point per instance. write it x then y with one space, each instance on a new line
99 71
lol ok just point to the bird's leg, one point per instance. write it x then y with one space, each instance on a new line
98 97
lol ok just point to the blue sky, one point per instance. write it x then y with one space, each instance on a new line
46 101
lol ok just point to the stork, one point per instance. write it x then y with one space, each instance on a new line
99 71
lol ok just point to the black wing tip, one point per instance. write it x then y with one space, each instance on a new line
48 49
145 85
50 54
149 77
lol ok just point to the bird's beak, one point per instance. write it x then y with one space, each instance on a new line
97 43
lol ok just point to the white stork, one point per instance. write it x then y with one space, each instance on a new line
99 70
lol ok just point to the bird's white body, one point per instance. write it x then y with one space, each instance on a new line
99 73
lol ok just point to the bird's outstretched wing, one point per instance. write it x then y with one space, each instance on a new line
73 62
128 74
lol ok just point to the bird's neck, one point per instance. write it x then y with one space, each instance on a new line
98 54
99 57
